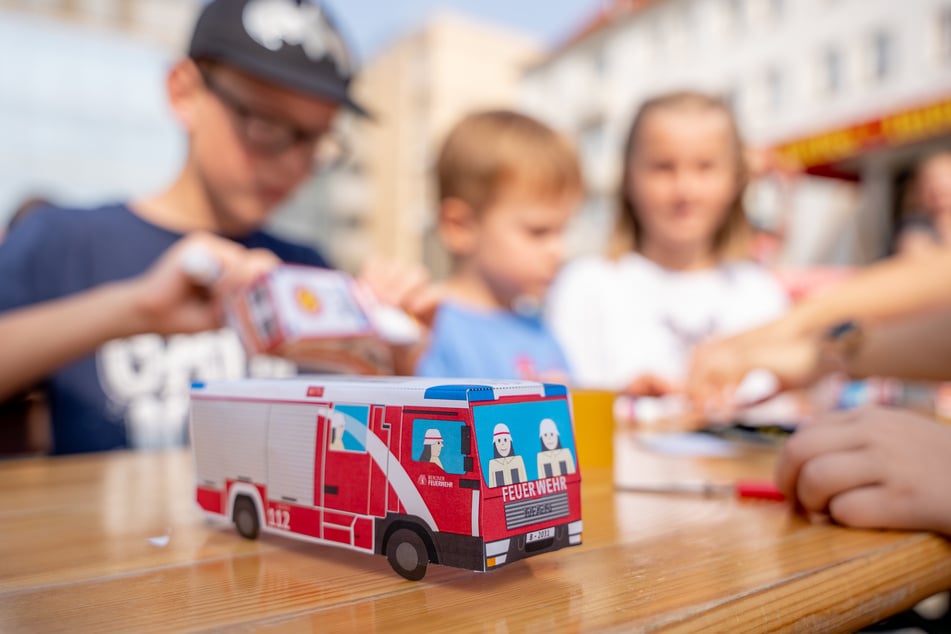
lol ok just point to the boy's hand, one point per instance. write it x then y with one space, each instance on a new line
871 468
169 298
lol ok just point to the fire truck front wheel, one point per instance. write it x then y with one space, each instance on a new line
246 517
407 554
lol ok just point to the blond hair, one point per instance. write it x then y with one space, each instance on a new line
733 238
492 150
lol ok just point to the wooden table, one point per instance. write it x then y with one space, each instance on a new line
114 543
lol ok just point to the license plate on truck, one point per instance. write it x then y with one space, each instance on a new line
537 536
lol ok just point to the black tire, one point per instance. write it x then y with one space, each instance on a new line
246 517
407 554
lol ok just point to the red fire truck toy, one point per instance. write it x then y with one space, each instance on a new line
471 474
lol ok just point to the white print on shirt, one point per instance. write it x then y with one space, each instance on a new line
620 319
147 378
689 337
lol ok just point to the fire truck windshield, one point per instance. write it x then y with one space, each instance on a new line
520 442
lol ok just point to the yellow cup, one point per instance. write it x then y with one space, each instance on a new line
593 414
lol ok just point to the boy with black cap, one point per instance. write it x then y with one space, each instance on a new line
96 304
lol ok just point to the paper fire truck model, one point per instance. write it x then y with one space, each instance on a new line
464 473
324 320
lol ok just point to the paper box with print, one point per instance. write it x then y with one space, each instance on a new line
464 473
322 319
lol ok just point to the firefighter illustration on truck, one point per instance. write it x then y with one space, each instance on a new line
420 470
506 467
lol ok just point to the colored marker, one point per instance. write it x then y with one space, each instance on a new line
745 489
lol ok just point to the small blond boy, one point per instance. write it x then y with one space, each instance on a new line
508 186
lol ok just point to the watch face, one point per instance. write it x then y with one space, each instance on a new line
846 336
841 330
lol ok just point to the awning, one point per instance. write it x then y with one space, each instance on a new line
821 154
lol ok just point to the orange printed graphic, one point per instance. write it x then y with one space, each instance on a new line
307 299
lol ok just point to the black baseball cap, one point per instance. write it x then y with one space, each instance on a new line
292 43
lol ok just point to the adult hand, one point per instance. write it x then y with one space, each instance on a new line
871 468
718 369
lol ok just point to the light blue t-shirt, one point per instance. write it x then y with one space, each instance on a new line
496 344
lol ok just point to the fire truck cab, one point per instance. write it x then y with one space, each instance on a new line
466 473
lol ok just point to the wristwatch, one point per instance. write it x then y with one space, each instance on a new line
840 344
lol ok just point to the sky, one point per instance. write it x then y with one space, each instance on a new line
372 24
47 132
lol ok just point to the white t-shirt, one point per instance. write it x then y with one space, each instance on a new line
619 319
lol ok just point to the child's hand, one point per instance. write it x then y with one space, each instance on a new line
407 287
648 385
719 369
871 468
172 297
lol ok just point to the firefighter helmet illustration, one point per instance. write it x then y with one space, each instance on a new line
553 459
506 467
432 447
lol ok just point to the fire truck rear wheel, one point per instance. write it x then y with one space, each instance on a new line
407 554
246 517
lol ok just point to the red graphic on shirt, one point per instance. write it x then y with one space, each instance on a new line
525 367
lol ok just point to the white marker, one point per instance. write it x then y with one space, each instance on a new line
395 325
757 386
200 265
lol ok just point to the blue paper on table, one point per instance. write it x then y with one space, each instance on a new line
688 444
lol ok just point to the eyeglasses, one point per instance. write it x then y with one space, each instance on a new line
269 136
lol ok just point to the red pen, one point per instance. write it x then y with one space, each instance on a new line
746 489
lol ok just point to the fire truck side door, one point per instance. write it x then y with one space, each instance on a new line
346 460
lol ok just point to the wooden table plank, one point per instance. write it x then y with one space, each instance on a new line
76 555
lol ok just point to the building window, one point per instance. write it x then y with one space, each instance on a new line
833 71
715 18
677 36
944 35
658 40
763 14
882 56
599 62
777 10
775 89
685 25
733 98
736 12
593 142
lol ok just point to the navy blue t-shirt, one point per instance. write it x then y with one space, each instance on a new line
131 392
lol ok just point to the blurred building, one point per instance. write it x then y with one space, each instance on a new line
83 112
417 88
851 90
163 23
